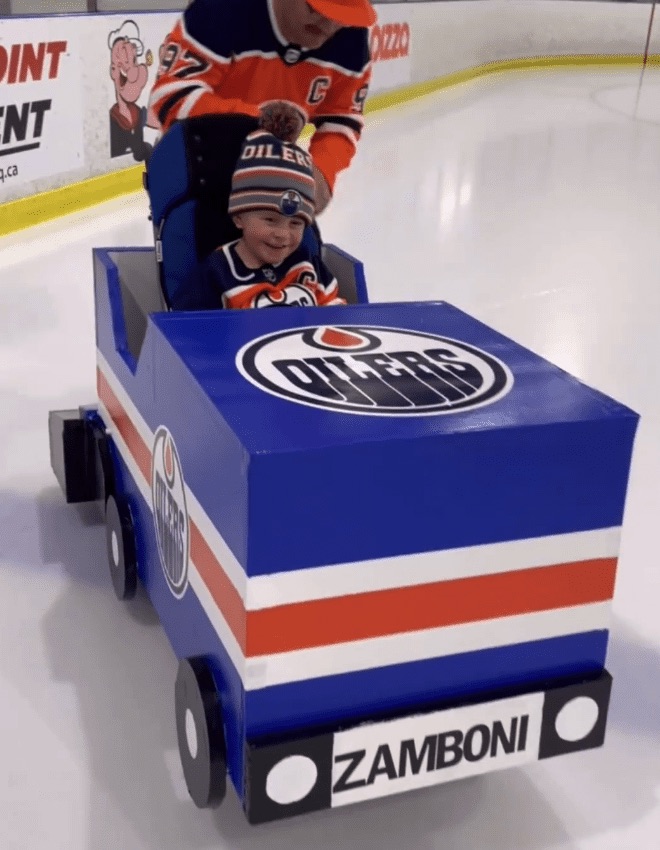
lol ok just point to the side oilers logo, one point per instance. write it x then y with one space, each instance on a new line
170 513
374 371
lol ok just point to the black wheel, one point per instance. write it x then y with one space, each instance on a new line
104 466
200 732
120 541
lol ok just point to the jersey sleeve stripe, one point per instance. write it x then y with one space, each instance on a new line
329 127
172 101
160 90
355 124
190 101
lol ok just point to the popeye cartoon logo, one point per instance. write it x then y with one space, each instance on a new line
127 119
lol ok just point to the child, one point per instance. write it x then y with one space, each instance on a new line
271 202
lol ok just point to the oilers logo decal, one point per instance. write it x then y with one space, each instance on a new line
170 513
374 371
290 203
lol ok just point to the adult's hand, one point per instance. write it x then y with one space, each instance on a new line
322 192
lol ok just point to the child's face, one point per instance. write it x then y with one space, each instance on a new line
268 236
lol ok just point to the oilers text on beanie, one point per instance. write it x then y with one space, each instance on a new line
275 175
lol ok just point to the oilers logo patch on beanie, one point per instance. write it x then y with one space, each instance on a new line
272 174
290 203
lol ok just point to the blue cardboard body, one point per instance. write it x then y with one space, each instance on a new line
292 487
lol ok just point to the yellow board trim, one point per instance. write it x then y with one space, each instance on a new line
36 209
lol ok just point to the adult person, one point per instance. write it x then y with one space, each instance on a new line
241 56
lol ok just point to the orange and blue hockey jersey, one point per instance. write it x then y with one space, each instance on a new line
228 56
224 281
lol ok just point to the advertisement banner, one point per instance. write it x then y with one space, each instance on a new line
131 46
391 49
41 112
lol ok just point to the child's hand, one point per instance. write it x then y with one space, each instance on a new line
282 119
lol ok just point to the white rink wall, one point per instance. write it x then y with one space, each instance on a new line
444 37
453 36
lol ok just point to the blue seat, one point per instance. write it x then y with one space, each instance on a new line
188 180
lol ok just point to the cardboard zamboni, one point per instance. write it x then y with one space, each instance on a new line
382 539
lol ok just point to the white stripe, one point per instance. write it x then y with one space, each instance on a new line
328 127
275 25
250 54
164 90
433 643
190 101
427 567
351 116
227 252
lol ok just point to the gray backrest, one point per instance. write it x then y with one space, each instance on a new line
141 293
343 268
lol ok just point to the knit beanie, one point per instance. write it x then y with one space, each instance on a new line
275 175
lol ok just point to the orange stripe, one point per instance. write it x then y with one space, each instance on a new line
389 612
224 594
249 170
136 445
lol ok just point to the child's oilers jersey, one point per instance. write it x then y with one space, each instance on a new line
224 281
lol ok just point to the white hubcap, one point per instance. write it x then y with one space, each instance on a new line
191 733
577 719
114 543
291 780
